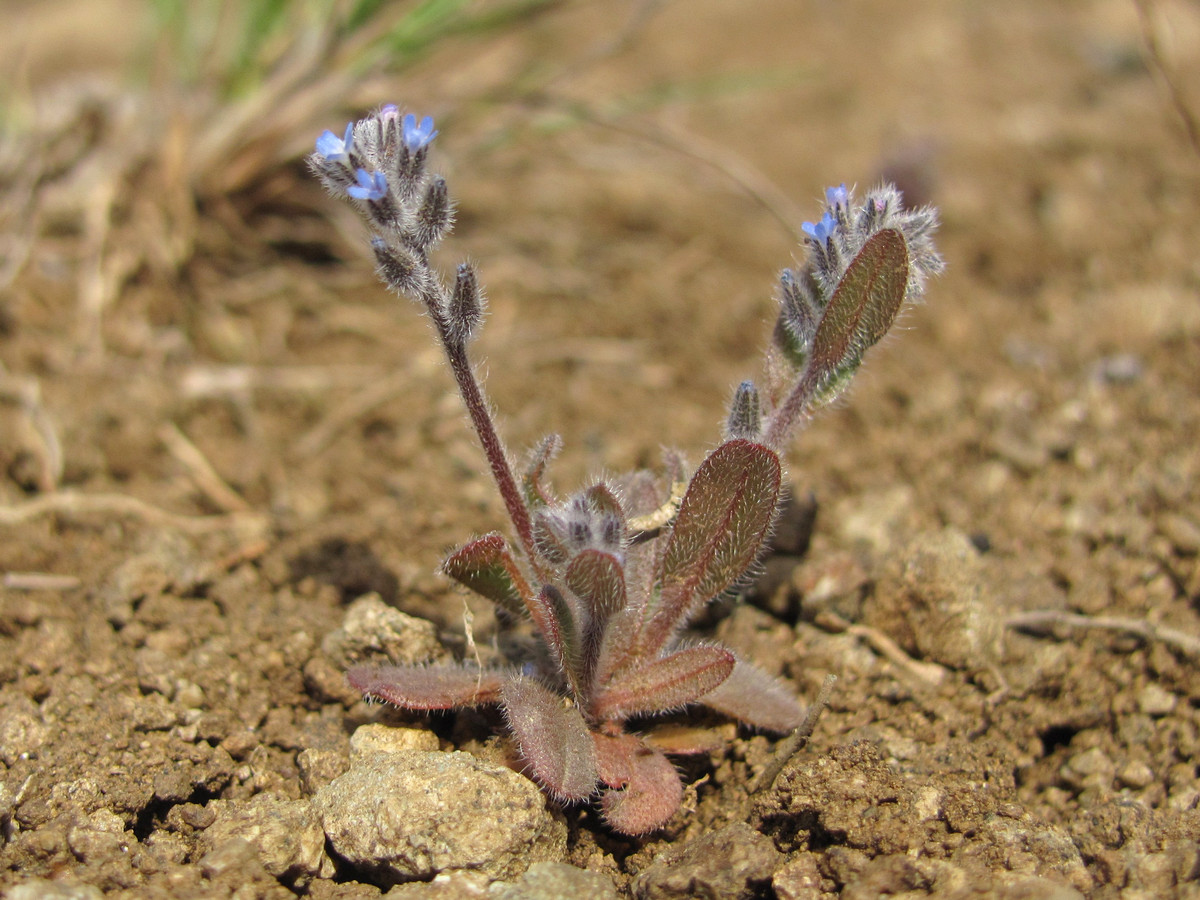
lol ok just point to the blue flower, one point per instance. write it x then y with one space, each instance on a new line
371 186
417 137
821 231
837 196
334 148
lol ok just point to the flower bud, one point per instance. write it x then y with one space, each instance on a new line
744 414
466 305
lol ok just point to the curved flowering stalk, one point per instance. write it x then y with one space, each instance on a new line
865 263
610 577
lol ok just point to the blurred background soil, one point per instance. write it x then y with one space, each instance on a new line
217 431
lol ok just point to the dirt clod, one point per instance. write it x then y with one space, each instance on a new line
412 814
733 862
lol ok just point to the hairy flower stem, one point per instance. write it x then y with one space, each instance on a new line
784 419
481 420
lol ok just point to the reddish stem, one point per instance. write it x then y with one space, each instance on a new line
784 418
481 420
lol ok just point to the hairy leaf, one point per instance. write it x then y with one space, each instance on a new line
553 739
487 567
722 524
664 684
428 687
864 306
646 789
618 647
614 757
752 696
598 580
531 481
549 534
559 626
609 516
601 498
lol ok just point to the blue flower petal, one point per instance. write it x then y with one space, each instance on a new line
417 136
333 148
371 186
820 231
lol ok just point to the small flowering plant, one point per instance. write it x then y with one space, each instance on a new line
610 576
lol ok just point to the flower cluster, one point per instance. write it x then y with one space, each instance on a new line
380 161
844 228
865 263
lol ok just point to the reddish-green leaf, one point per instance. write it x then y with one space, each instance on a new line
603 501
618 646
752 696
428 687
864 306
559 627
664 684
719 532
553 739
598 580
487 567
549 537
609 517
646 788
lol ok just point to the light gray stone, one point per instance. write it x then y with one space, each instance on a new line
374 738
411 814
457 885
41 889
935 597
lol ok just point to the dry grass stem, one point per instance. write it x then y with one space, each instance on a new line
929 673
206 478
1048 622
39 581
796 741
75 505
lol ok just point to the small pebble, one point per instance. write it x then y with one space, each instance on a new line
1135 774
1155 700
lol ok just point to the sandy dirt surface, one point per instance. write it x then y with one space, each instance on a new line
230 463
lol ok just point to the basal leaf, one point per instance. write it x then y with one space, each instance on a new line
752 696
619 643
664 684
428 687
487 567
863 307
719 531
553 739
684 740
650 790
